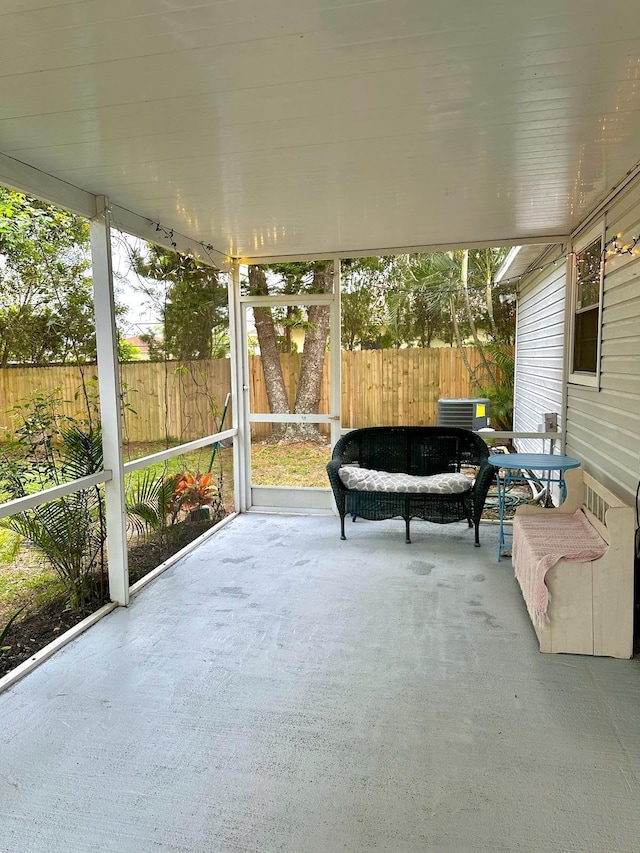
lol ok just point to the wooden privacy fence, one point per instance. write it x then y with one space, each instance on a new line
176 400
390 387
185 400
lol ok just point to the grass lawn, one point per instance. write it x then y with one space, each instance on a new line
302 464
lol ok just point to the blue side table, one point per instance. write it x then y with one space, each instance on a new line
517 466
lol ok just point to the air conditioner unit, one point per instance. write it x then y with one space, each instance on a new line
466 412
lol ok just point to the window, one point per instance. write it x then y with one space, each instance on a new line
587 295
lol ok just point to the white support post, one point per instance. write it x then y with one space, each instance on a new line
335 356
238 345
244 374
110 402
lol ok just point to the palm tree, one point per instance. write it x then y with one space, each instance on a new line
460 285
70 531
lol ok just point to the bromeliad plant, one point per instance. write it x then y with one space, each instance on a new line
200 496
194 492
156 502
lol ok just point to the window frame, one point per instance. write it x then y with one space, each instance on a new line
583 377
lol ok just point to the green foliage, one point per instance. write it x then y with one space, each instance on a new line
70 532
46 305
431 281
127 351
500 393
455 292
437 297
295 278
38 428
155 502
193 307
9 546
155 345
52 449
415 300
367 285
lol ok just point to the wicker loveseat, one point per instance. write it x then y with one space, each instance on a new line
384 472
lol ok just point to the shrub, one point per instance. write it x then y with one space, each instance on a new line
70 531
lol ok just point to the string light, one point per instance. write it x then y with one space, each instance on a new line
612 248
615 247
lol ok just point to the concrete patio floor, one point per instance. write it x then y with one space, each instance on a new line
281 690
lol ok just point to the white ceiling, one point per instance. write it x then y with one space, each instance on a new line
287 127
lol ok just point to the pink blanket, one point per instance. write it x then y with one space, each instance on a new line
540 541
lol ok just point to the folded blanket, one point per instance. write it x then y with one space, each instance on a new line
541 541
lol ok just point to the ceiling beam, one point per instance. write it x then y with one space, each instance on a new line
542 240
26 179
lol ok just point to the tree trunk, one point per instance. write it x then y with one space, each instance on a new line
458 337
315 345
313 353
269 354
491 315
456 328
464 277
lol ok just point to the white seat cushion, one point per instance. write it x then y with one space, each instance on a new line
368 480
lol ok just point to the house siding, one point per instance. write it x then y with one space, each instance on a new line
540 351
603 425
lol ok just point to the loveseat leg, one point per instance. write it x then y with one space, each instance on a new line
476 544
342 536
407 536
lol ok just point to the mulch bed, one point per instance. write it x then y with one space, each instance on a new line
149 554
32 632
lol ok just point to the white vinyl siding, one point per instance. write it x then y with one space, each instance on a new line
540 340
603 427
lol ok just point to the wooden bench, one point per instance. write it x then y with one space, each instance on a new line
439 474
591 605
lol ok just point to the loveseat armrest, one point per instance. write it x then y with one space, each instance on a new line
339 489
484 479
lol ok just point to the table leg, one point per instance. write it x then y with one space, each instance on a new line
501 499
